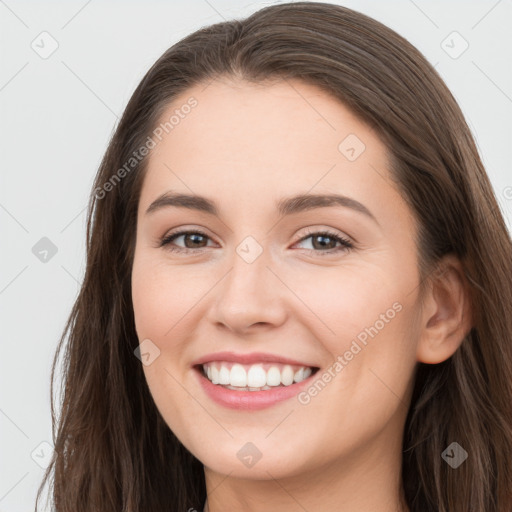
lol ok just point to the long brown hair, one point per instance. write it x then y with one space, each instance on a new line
113 451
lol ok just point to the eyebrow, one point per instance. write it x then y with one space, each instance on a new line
286 206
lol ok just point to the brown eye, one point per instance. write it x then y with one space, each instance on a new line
191 239
325 242
195 239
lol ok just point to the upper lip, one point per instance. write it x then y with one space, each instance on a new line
253 357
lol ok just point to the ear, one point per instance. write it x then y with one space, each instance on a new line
446 316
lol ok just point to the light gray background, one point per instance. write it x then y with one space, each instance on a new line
57 116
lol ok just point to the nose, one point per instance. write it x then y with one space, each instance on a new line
250 297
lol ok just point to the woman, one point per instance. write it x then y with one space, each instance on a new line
293 232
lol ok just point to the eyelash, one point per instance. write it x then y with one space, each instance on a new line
346 244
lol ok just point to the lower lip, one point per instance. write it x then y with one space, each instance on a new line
250 400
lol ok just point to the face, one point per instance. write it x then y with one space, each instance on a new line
257 285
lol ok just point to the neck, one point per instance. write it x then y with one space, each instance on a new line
367 480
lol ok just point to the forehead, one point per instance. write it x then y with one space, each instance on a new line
243 140
239 118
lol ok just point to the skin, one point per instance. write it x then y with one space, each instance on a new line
245 146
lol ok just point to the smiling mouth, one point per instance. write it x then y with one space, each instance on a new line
254 377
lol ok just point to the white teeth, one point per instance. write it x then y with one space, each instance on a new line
273 376
299 375
224 375
264 388
287 375
238 376
254 378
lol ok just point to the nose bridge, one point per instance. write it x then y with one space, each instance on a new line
249 293
249 274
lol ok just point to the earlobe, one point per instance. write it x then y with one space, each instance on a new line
446 317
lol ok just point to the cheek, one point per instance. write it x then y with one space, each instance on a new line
159 302
340 302
362 316
161 296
